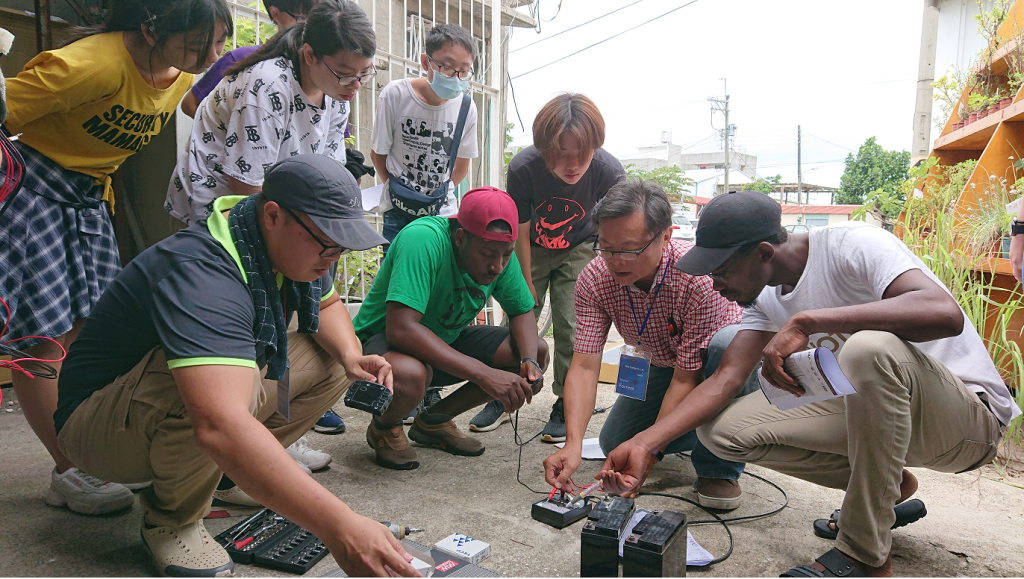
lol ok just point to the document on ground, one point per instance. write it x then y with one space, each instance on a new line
817 371
591 449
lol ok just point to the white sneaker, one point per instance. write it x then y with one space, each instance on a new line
85 494
306 455
187 551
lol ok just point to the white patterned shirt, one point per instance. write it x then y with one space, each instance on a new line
250 121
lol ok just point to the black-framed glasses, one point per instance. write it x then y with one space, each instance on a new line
449 72
328 250
627 255
349 80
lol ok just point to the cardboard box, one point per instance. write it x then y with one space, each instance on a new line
610 363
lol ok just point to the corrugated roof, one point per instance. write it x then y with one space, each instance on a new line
819 209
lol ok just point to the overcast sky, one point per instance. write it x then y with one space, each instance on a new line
844 71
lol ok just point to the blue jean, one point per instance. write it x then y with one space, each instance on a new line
393 223
629 417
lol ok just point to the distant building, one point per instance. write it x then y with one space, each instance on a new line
792 214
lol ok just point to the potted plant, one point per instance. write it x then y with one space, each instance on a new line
988 223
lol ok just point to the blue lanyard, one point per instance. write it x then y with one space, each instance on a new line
640 329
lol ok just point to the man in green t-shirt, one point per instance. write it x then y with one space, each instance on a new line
437 276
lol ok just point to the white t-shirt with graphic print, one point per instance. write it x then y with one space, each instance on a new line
417 139
250 121
854 263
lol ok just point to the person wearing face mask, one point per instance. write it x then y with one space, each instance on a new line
556 183
414 134
83 109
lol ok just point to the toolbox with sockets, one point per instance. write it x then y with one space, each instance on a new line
269 540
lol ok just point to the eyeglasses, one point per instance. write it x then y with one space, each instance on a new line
720 275
349 80
328 250
449 72
634 255
296 18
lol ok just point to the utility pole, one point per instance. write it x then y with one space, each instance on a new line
722 105
799 169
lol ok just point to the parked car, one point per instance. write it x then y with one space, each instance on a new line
798 228
682 228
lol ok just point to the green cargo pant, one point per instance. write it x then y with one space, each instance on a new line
556 270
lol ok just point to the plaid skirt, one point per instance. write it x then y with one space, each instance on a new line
57 250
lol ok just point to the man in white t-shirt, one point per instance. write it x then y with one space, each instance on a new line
416 119
928 395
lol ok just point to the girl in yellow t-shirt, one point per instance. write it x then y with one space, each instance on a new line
82 110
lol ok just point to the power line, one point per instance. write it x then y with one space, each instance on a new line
606 39
829 142
575 27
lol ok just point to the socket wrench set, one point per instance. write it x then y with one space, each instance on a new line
267 539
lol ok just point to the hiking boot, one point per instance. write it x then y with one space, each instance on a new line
554 430
718 493
445 436
490 417
86 495
187 551
233 496
329 423
391 446
307 456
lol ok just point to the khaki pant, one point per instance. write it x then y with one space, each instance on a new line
136 429
557 270
909 410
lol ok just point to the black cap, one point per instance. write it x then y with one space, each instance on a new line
728 222
326 191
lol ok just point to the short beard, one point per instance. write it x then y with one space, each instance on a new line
746 305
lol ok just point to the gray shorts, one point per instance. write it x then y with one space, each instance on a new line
477 342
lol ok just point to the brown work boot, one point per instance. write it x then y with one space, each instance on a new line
391 447
718 493
445 436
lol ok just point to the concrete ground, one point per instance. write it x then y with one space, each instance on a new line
975 525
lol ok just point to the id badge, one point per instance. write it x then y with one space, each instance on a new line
634 371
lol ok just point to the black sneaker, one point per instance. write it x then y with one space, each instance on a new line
491 416
554 430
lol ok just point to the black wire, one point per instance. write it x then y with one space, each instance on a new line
513 90
701 507
518 441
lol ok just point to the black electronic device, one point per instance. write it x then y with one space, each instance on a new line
656 547
599 539
368 396
269 540
559 511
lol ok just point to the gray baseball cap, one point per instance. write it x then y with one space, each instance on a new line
326 191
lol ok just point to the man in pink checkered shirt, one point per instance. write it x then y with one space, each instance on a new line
684 335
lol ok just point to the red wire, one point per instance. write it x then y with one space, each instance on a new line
15 364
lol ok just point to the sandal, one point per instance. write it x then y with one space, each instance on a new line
906 513
835 566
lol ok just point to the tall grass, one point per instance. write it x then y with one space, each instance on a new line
934 237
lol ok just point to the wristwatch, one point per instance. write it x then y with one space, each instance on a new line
659 454
1017 227
532 361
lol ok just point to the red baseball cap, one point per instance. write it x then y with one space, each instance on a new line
484 205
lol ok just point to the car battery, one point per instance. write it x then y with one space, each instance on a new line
599 539
656 547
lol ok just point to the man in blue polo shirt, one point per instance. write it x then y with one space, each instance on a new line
187 367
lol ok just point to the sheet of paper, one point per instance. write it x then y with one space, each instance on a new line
638 515
591 449
371 197
695 554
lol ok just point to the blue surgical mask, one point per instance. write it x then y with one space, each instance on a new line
448 88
